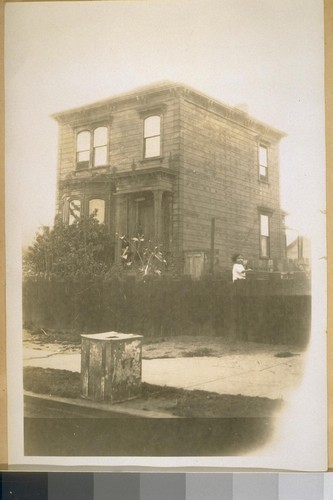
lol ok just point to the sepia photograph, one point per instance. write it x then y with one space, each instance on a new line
165 232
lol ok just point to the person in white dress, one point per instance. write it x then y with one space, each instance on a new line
238 269
239 297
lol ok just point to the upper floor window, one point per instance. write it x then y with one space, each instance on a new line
263 163
100 146
264 236
83 149
152 136
97 209
91 148
74 211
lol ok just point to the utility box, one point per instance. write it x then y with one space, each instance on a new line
111 366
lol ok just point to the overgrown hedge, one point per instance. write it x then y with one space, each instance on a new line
265 311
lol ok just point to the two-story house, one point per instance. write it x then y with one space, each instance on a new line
192 174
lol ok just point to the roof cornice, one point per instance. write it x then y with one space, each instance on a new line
143 96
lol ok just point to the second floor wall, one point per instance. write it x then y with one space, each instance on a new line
121 137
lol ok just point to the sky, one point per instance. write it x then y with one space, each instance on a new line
267 54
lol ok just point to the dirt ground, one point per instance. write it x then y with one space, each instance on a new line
158 348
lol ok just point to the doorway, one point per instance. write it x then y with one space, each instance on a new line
145 216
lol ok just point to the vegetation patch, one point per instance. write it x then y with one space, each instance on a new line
61 383
49 336
285 355
197 353
177 402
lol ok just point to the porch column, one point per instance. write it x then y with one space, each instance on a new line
168 229
120 220
158 216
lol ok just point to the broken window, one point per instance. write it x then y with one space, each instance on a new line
74 209
97 209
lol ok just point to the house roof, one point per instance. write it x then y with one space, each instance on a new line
141 93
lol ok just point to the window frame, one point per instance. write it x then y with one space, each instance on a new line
91 163
266 237
81 165
145 118
263 178
94 148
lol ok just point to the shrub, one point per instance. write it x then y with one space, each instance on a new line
83 249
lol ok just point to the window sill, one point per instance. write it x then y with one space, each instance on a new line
92 169
100 167
78 170
154 158
82 166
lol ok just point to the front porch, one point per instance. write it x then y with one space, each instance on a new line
143 208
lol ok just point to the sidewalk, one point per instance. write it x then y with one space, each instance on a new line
259 374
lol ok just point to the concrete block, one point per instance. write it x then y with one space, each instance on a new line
111 366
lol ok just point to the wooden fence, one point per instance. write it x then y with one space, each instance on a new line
264 310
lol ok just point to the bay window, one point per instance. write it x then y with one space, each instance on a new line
97 209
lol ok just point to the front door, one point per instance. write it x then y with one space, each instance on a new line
145 217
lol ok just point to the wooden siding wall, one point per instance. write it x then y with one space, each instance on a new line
220 179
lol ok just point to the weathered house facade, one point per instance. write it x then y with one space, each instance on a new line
193 175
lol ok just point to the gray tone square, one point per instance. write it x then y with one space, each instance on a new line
301 486
328 486
70 486
23 485
162 486
120 486
214 486
255 486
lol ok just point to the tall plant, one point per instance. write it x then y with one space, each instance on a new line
144 258
83 249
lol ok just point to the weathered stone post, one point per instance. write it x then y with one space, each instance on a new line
111 366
